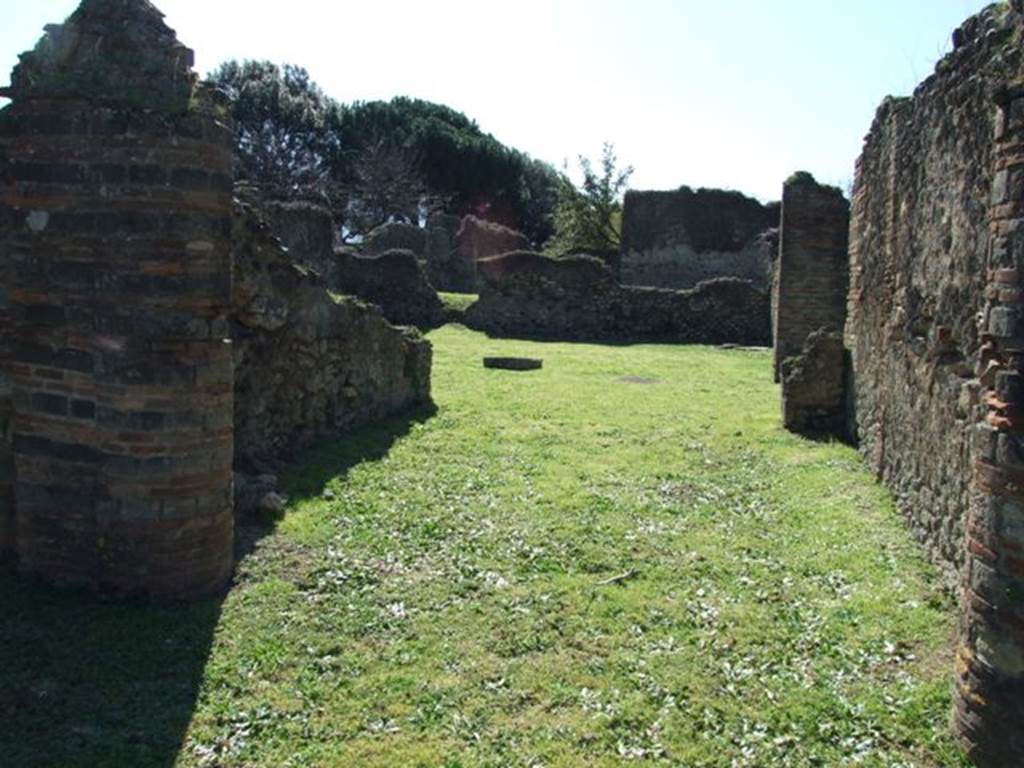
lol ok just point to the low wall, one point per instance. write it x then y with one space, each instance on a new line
679 238
529 295
307 363
393 280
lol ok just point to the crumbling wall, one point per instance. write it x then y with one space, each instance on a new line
811 278
448 247
446 270
936 254
680 238
813 386
308 363
918 243
118 185
396 236
393 280
7 543
529 295
307 231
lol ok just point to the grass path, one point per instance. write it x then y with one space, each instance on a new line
620 559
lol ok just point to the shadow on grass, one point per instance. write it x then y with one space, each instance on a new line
334 458
84 682
92 683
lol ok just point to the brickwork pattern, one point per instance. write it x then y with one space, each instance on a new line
6 406
990 659
918 241
119 287
811 277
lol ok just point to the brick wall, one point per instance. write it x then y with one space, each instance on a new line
935 339
990 659
810 281
6 406
119 182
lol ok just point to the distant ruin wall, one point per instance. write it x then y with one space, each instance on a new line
393 280
577 298
448 247
680 238
811 276
309 364
118 182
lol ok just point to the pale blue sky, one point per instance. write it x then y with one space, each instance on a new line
721 93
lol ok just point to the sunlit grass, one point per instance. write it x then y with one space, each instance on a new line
621 557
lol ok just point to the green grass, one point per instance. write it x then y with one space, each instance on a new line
620 558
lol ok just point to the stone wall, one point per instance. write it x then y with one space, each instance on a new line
396 236
308 363
529 295
307 231
448 247
990 659
393 280
811 278
813 387
935 255
7 543
680 238
918 243
118 188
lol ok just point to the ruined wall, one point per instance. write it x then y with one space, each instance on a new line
990 659
812 275
529 295
307 231
118 181
680 238
7 544
445 269
448 247
813 387
393 280
918 243
308 363
396 236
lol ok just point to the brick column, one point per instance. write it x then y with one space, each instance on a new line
990 658
812 274
119 183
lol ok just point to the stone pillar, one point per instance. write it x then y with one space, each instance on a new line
812 275
990 658
118 180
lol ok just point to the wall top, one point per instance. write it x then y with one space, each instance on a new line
114 52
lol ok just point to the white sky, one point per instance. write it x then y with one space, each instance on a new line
720 93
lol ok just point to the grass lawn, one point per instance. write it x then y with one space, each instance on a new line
620 559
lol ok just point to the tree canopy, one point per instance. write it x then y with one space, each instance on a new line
377 161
